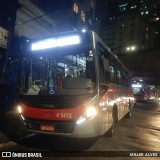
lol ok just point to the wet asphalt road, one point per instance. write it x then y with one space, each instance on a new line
141 132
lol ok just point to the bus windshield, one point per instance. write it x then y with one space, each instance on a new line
138 91
59 74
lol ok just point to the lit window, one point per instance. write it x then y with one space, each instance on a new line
82 16
133 48
122 25
146 12
3 37
75 8
133 7
128 48
122 9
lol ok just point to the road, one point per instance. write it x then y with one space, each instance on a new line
141 132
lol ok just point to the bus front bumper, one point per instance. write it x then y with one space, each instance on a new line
87 129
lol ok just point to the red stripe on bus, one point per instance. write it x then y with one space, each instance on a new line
113 90
53 114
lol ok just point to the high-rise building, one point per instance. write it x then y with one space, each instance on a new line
128 34
149 10
131 25
32 22
7 21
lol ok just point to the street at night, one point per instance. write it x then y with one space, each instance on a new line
80 79
141 132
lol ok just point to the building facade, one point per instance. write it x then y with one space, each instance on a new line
7 20
133 34
128 34
131 25
32 22
73 14
3 37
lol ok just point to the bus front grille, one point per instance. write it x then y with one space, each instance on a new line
59 126
54 101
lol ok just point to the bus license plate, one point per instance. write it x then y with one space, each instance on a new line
47 128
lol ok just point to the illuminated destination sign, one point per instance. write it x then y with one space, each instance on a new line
137 85
55 42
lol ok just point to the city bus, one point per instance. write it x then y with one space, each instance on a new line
141 91
71 84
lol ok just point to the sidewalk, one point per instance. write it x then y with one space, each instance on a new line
10 126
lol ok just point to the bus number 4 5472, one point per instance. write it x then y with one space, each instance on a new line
64 115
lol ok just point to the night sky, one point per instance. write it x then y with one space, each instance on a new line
50 6
54 5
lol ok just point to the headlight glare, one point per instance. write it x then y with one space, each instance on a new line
19 108
91 111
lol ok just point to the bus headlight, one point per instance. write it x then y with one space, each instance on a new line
19 108
20 112
89 113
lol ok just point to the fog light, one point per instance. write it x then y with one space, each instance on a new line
80 120
23 118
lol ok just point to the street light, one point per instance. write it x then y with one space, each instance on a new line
133 48
130 48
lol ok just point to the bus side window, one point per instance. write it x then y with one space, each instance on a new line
111 73
101 69
89 68
104 64
125 80
119 77
104 69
